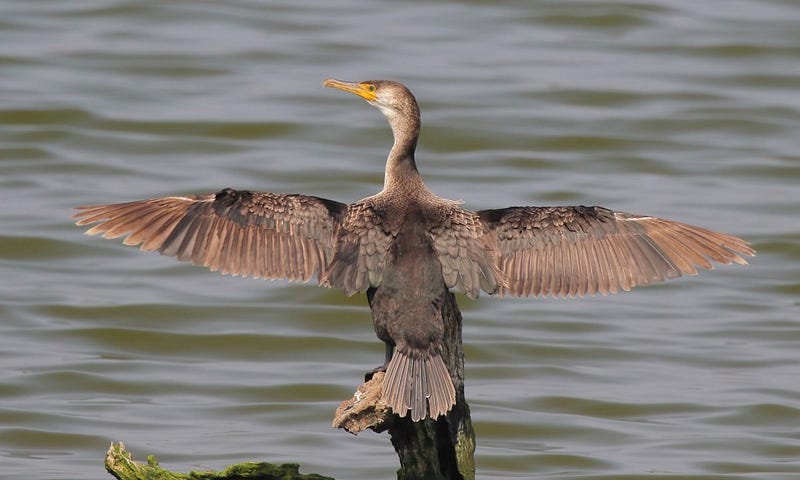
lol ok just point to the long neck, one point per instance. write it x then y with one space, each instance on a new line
401 169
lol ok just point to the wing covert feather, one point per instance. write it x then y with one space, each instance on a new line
468 257
362 246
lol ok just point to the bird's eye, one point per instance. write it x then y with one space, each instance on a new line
372 88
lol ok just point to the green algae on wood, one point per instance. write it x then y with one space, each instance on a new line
119 463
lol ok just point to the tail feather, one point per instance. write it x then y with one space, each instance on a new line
420 383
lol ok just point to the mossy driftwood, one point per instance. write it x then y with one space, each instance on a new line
120 464
441 449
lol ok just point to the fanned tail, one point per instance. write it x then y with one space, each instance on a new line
419 382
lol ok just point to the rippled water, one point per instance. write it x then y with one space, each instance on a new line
686 110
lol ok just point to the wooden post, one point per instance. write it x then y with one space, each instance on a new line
441 449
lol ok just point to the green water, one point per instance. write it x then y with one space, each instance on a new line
685 110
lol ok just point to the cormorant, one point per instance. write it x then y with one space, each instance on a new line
405 247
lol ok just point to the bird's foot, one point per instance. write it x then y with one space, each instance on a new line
368 376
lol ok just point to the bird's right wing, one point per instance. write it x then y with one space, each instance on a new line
238 232
568 251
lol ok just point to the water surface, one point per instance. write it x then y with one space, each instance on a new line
686 110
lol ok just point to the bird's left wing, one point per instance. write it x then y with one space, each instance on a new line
238 232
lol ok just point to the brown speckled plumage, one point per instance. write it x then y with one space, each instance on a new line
404 247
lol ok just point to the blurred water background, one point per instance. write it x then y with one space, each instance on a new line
682 109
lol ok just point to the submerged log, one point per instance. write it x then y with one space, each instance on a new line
119 463
440 449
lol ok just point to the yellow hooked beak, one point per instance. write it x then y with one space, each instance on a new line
364 90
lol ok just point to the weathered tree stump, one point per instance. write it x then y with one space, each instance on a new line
441 449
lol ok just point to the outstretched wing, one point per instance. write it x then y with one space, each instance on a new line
238 232
568 251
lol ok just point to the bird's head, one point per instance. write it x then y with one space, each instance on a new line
393 99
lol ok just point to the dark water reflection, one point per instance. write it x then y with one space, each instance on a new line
686 110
